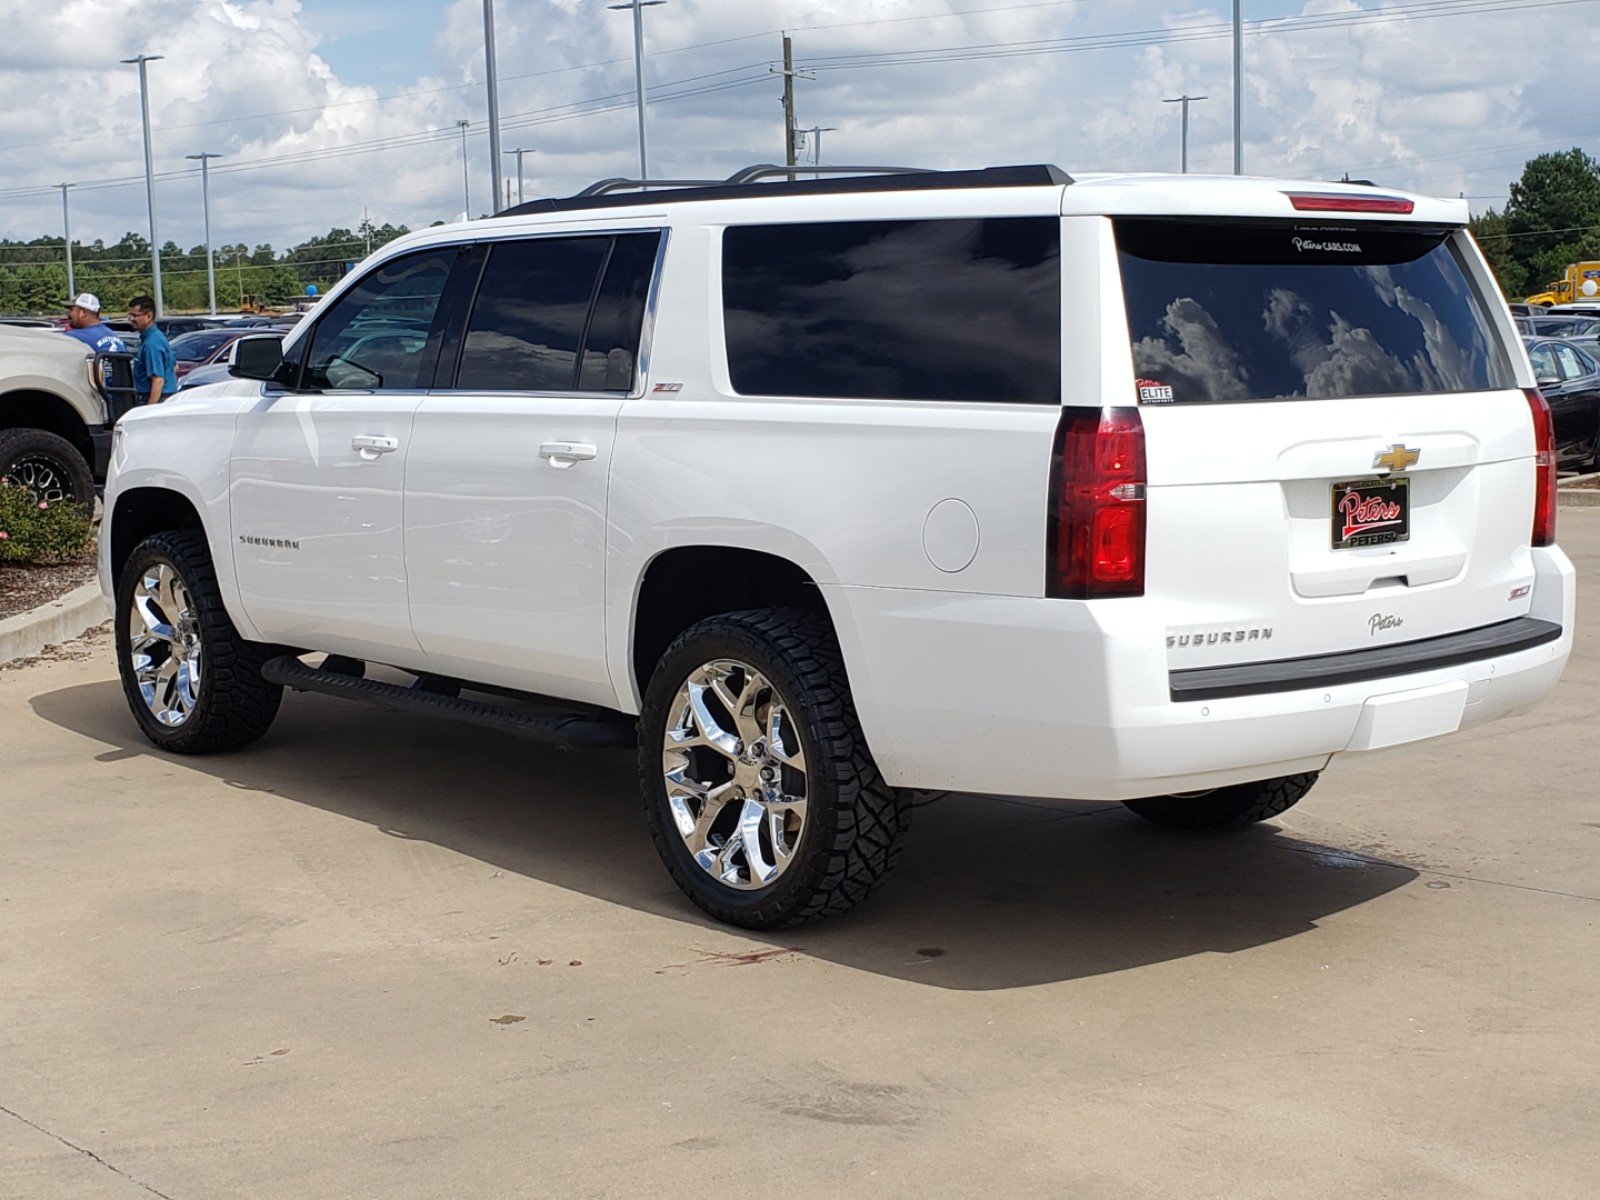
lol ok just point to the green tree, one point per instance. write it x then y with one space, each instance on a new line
1553 215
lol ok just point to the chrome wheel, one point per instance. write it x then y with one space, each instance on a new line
735 773
42 478
164 645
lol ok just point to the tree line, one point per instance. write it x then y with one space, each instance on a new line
33 275
1551 219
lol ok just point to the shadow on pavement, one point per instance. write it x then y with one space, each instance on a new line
990 893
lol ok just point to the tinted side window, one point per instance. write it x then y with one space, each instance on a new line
611 349
896 310
1571 367
377 335
532 307
1544 362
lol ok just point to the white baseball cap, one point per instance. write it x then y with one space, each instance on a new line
86 300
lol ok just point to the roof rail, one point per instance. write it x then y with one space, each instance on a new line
616 193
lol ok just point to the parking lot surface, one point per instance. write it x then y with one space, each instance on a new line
375 956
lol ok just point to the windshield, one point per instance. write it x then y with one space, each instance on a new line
1274 311
201 344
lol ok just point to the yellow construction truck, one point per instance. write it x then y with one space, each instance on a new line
1580 281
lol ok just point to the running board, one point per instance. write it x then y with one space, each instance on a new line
586 730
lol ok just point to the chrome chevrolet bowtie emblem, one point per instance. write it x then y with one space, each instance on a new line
1396 458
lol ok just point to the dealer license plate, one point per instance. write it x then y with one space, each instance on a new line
1371 512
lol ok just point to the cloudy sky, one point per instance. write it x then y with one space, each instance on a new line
324 109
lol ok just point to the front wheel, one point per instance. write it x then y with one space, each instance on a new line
1225 807
762 798
193 683
47 466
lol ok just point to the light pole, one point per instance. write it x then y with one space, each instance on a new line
205 205
66 224
149 171
1183 154
519 152
1238 87
494 106
638 7
815 134
466 187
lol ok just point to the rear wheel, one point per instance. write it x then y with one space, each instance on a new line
761 795
1226 807
193 683
47 465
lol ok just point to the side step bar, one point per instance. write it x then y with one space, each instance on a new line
587 729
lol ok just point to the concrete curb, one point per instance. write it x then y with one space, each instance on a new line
1578 497
25 634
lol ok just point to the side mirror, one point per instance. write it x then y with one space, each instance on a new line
257 358
1546 381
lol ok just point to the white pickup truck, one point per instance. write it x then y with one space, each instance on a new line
1162 490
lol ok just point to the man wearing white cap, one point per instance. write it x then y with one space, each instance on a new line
84 323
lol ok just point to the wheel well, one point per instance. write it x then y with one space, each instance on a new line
42 410
690 583
142 511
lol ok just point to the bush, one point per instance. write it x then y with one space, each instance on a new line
32 531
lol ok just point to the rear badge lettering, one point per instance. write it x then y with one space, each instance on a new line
270 543
1218 637
1383 621
1519 592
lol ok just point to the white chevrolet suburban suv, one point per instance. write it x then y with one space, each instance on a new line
1162 490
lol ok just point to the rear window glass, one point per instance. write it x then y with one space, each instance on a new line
1270 311
896 310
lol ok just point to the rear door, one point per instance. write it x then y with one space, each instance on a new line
506 482
1338 456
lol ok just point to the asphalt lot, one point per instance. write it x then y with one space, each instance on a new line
378 957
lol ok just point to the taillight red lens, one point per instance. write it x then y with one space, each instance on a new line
1340 202
1097 505
1544 470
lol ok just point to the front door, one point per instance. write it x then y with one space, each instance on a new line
318 471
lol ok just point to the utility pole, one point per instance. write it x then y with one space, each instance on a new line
814 136
66 224
1238 87
1183 154
519 152
466 186
638 7
494 105
205 203
149 172
789 76
366 230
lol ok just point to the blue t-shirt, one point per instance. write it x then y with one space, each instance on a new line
98 337
155 357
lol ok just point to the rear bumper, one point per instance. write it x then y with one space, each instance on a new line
1052 698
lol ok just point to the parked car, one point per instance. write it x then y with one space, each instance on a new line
1169 491
220 366
1566 325
174 327
201 346
1569 377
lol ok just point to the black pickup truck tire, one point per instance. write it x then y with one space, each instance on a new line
48 466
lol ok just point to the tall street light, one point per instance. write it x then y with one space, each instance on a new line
466 186
66 224
149 171
1183 154
494 106
519 152
638 7
1238 87
205 204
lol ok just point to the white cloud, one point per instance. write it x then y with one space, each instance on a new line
1441 105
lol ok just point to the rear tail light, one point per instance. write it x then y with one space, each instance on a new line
1544 470
1343 202
1096 539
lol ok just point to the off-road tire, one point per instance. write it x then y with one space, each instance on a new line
234 705
22 446
855 824
1225 807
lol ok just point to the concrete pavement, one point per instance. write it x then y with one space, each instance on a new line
379 957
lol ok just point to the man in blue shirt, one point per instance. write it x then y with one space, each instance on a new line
155 368
84 323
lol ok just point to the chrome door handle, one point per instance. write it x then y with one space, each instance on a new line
371 447
564 454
